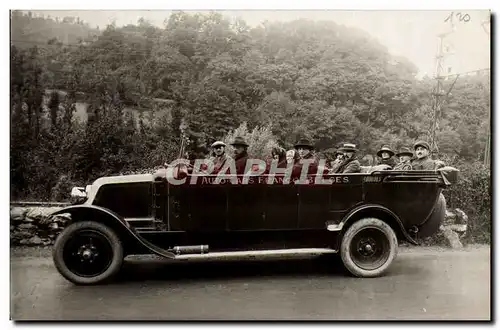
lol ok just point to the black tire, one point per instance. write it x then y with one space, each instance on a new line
431 226
368 247
96 263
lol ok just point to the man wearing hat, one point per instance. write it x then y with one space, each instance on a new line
385 156
304 150
240 154
405 155
350 164
423 162
219 156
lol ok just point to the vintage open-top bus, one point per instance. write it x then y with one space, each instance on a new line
360 216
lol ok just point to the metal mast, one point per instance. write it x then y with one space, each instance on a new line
438 92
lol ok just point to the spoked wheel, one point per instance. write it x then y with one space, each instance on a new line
368 247
88 253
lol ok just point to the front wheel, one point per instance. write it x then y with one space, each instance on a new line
368 247
88 252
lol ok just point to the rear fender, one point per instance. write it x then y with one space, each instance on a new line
109 218
376 211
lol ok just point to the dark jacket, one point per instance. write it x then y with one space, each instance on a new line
297 166
351 165
241 162
388 161
424 164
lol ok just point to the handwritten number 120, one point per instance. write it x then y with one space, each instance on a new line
461 17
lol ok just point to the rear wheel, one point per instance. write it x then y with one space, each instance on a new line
368 247
88 252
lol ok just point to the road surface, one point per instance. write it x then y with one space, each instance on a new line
423 284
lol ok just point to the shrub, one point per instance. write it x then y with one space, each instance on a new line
261 140
472 194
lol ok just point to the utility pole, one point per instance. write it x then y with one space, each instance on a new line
438 92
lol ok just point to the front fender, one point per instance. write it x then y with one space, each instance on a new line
374 210
109 218
86 212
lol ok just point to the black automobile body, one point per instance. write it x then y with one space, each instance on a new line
360 216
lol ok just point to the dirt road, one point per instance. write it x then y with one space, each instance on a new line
423 283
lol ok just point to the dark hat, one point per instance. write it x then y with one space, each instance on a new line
404 151
421 144
304 143
387 149
350 147
239 141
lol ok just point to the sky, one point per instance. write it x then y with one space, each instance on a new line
412 34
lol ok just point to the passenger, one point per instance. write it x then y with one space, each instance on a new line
304 150
350 163
279 154
330 155
385 155
219 156
335 164
405 155
291 156
240 154
423 162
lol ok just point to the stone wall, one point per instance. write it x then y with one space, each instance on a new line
32 226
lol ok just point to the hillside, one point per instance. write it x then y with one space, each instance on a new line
28 30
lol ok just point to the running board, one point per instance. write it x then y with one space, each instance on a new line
255 253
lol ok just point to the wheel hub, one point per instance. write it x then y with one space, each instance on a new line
367 247
87 253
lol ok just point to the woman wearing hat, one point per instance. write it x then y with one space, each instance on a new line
405 155
350 164
385 156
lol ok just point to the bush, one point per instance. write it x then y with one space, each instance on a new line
472 194
261 141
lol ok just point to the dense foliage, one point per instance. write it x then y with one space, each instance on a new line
204 76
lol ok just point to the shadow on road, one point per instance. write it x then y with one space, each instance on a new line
141 270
